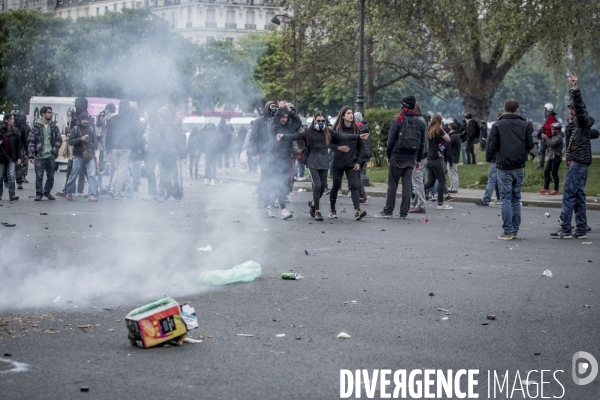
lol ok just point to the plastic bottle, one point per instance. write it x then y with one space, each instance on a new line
245 272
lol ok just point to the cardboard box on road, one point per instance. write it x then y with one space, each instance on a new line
156 323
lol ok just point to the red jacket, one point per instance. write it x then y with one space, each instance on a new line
548 125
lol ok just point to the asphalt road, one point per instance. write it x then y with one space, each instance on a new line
380 281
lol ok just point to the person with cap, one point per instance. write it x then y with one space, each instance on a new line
472 139
579 158
406 141
43 143
10 153
554 144
546 128
84 141
511 140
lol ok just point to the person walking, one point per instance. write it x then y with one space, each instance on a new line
406 140
579 158
492 182
418 204
43 144
84 141
10 154
511 140
452 157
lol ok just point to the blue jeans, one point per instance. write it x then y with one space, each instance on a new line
574 198
463 152
10 167
90 167
510 183
298 169
491 184
44 165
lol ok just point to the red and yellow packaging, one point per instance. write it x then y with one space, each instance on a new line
156 323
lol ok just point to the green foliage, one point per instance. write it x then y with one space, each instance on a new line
379 124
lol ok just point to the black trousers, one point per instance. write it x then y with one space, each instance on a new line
551 168
319 178
194 161
169 179
542 152
435 170
471 151
352 176
399 170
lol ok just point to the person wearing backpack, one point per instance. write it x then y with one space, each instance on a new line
438 140
406 140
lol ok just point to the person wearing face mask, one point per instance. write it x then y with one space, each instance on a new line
84 141
318 138
285 121
258 149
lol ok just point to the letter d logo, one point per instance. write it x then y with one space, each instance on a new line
583 367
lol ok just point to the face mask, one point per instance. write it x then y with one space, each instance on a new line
320 126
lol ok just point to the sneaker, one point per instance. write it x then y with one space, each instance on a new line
270 213
69 197
452 191
332 214
20 186
38 198
417 210
481 203
588 228
443 207
25 180
543 191
514 235
327 190
13 198
285 214
506 236
150 198
79 195
50 197
60 194
364 200
213 182
311 209
359 214
403 217
206 182
93 199
578 235
554 192
383 215
160 199
561 235
429 197
448 198
318 216
119 197
111 193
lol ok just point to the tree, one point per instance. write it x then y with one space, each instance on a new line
480 41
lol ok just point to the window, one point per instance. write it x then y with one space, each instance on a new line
115 7
210 15
188 23
229 39
172 19
77 13
69 14
87 12
105 9
133 4
249 17
230 19
97 11
124 5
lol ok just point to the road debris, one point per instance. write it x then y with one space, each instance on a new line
547 273
291 276
192 341
156 323
207 248
343 335
245 272
85 326
280 335
244 335
491 317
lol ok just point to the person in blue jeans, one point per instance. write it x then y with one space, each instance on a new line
492 182
579 157
84 141
511 140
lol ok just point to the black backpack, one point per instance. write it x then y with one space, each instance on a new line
408 135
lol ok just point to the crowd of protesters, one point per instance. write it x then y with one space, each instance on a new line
421 151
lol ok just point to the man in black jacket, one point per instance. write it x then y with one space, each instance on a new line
401 161
84 141
511 139
579 157
472 139
258 149
10 153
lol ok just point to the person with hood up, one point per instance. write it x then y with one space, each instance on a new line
10 154
42 150
84 141
579 158
285 121
194 148
173 150
258 149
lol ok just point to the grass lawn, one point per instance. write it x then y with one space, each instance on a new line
475 176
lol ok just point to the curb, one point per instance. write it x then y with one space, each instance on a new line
458 199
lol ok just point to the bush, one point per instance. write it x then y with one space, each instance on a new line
379 123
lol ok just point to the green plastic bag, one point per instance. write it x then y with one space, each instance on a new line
246 272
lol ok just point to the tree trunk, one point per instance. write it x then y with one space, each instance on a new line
370 66
477 97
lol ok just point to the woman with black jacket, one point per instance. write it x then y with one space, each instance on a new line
438 140
348 155
10 153
318 138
